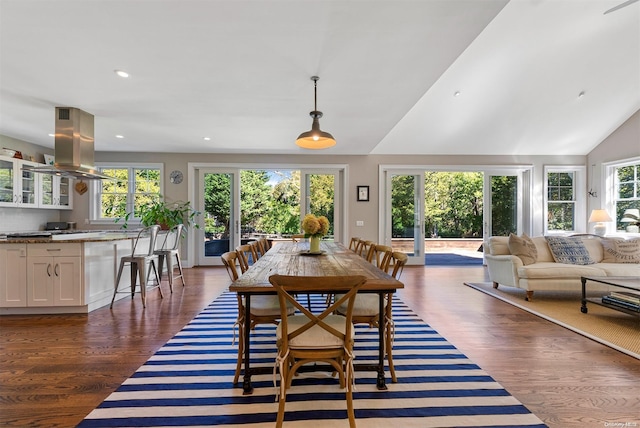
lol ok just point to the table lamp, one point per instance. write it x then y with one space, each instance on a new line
599 217
631 216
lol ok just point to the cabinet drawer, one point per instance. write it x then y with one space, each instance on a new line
54 250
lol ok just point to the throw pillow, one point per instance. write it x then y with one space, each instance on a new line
621 251
569 249
523 247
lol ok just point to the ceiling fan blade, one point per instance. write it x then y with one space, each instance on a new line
620 6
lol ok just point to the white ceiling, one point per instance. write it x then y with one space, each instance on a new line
239 73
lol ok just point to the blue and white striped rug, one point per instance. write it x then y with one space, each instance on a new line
188 382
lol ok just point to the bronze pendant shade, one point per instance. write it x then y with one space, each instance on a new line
315 139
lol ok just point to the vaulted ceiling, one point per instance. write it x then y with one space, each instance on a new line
406 77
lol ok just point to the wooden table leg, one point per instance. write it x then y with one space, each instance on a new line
381 384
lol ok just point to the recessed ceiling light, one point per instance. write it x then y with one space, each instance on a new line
121 73
207 138
119 136
581 94
456 94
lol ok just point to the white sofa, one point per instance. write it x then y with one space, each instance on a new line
545 274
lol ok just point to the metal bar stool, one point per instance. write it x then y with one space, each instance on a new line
170 251
138 263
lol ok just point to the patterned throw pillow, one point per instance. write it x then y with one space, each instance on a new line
569 249
523 247
621 251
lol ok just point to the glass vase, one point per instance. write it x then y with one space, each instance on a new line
314 244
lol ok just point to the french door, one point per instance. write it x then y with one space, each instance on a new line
403 227
506 202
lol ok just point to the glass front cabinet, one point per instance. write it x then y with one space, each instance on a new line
18 188
56 192
28 189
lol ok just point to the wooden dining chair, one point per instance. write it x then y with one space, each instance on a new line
246 256
380 256
264 245
297 237
366 309
256 250
264 310
353 244
363 248
310 337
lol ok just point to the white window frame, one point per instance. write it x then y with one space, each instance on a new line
609 187
580 198
96 189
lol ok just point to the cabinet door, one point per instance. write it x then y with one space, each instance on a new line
13 275
29 186
47 197
8 196
66 282
40 281
64 192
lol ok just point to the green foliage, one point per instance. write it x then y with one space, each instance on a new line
166 214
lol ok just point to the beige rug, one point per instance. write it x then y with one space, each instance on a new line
607 326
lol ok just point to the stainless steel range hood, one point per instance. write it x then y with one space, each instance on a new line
74 142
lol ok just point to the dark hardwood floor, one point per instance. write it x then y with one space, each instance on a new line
55 369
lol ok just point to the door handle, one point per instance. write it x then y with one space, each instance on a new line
56 270
49 269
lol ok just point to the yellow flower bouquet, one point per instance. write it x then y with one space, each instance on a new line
315 228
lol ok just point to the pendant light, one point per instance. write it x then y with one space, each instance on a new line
315 139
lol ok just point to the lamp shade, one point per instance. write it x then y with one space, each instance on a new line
632 215
315 139
598 216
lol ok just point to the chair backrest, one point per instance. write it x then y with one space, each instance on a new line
257 250
171 240
246 256
287 286
363 249
297 237
229 260
398 260
264 245
353 244
152 233
380 256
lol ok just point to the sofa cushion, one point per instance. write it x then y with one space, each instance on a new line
553 270
544 253
594 247
619 269
570 250
621 251
523 247
499 246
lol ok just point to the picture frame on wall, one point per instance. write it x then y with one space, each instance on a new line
363 193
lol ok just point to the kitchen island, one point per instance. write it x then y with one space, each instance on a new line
73 273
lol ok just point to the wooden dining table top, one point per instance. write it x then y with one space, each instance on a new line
292 258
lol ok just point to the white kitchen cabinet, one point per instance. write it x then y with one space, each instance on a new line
54 274
13 275
55 192
18 188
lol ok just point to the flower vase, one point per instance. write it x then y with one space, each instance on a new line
314 244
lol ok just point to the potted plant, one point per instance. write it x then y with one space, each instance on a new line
165 214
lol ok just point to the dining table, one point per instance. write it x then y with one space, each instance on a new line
294 258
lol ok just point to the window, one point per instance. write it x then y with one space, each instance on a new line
134 185
626 190
564 202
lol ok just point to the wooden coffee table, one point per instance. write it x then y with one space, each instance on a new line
625 282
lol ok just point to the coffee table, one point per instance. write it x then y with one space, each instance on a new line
625 282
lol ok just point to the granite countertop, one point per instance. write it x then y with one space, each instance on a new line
80 237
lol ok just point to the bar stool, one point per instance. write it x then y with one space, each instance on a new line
138 263
170 250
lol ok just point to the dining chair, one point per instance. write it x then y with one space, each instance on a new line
363 249
366 308
310 338
256 250
138 260
264 310
264 245
380 256
246 256
353 244
170 251
297 237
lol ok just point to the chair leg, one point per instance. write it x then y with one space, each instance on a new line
240 353
389 347
117 284
180 268
160 268
143 283
133 272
